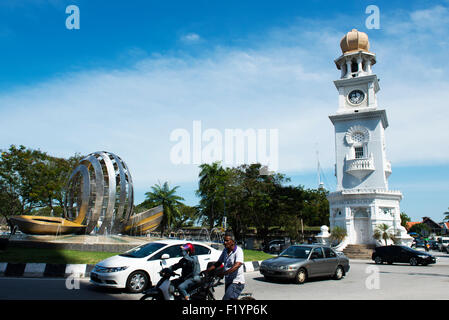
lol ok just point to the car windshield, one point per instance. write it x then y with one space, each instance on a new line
296 252
409 249
143 250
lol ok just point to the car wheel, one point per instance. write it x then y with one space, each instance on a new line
378 260
137 282
339 273
413 261
301 276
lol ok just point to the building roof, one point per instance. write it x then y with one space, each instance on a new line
431 223
445 225
411 224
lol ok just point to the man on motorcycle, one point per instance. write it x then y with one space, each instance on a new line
190 270
232 259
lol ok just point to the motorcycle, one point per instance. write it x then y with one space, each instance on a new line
164 289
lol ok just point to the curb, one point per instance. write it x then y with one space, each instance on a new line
49 270
41 270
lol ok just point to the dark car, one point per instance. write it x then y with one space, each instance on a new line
392 254
300 262
418 243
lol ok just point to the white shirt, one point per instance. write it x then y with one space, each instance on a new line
229 260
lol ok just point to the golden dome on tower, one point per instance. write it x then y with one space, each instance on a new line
354 41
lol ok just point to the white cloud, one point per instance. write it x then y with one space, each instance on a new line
191 38
283 82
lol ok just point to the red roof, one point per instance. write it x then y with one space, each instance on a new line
411 224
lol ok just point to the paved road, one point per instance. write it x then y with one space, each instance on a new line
365 280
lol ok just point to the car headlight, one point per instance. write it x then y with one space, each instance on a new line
109 270
422 256
288 268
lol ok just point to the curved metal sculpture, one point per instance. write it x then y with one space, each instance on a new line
100 194
144 222
99 197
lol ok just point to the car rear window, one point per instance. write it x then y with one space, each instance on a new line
329 253
143 250
200 250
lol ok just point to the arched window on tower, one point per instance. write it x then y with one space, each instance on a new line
354 67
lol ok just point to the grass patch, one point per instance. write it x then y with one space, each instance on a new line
27 255
254 255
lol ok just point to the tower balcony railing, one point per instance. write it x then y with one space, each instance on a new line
360 167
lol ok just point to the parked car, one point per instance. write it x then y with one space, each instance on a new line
418 243
301 262
139 267
401 254
443 243
433 245
275 246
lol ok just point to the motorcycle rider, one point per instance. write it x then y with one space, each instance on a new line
232 259
190 270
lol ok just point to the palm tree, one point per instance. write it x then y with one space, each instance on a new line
446 214
338 234
382 231
165 196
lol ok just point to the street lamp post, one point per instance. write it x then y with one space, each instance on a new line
224 208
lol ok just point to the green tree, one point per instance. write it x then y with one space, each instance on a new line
165 196
187 216
382 232
9 202
316 207
36 179
421 229
404 219
20 169
213 181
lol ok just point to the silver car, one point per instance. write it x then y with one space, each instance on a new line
300 262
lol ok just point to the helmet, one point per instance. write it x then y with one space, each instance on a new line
189 248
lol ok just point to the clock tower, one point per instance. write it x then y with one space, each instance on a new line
362 199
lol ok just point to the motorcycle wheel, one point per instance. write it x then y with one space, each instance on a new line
210 296
149 297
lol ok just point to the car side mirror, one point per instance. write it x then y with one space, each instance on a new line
164 257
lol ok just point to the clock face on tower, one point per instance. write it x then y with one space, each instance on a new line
356 96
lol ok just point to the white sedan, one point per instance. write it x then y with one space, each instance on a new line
139 267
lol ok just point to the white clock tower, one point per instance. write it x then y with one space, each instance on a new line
362 199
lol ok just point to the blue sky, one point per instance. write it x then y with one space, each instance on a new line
137 70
